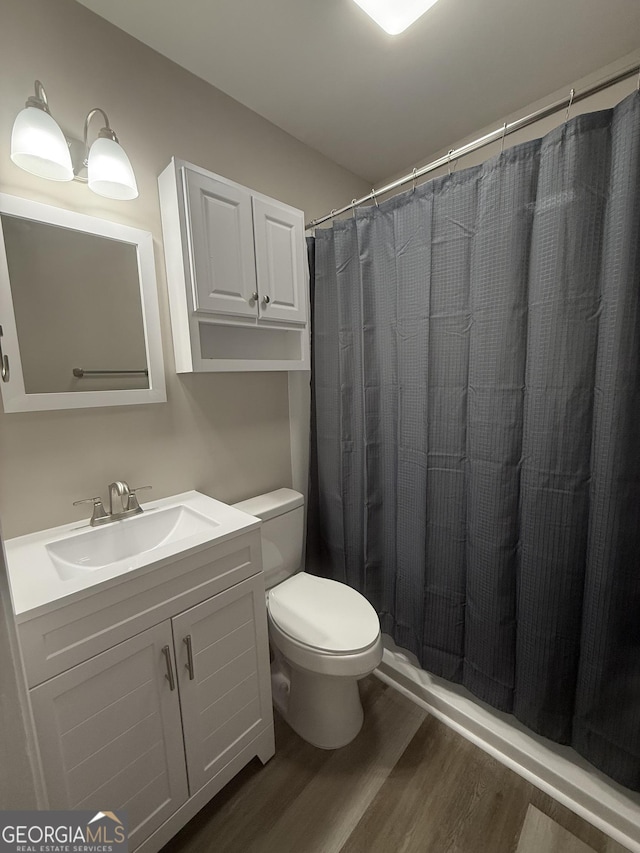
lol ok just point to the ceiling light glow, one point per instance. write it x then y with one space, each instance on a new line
394 16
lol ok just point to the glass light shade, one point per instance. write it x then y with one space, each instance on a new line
38 146
109 171
394 16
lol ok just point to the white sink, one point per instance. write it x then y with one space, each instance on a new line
99 547
50 568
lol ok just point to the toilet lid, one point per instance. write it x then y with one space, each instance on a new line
323 614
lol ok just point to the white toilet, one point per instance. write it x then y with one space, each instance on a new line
324 635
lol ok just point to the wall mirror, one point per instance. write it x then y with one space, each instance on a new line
79 313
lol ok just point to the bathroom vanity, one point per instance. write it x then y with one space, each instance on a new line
146 653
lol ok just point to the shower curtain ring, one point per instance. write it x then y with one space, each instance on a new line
571 97
353 205
504 130
415 175
373 196
451 150
638 83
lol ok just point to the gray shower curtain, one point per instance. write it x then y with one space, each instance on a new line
476 428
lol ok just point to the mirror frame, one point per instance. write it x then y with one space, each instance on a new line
14 396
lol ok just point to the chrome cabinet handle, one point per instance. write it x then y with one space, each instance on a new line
4 362
189 664
166 651
266 300
254 297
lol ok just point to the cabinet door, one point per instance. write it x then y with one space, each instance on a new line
221 242
280 261
226 693
110 735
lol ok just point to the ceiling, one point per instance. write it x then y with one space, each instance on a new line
377 104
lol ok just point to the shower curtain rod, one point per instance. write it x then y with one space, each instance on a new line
493 136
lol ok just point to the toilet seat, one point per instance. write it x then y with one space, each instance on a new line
307 659
323 615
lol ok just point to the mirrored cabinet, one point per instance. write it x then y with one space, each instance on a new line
79 312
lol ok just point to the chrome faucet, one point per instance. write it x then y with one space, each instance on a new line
119 491
123 503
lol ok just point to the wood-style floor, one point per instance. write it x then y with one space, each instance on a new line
407 784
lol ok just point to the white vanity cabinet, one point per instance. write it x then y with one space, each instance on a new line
110 736
223 676
172 694
237 274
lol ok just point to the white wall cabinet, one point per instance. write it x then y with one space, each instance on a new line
157 723
220 230
280 263
237 274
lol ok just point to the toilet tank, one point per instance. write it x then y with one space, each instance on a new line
282 514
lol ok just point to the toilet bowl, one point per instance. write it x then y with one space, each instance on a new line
324 635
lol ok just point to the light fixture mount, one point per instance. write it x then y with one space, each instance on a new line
107 133
104 133
39 99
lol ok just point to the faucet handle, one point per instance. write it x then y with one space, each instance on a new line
98 508
132 504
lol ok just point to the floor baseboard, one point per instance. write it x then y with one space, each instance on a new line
557 770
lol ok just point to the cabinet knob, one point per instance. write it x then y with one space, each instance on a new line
253 297
266 300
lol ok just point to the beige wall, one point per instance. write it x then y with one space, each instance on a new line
602 100
225 434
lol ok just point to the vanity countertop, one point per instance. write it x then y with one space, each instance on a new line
38 586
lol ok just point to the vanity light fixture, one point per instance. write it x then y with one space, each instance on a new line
37 143
394 16
109 170
39 146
